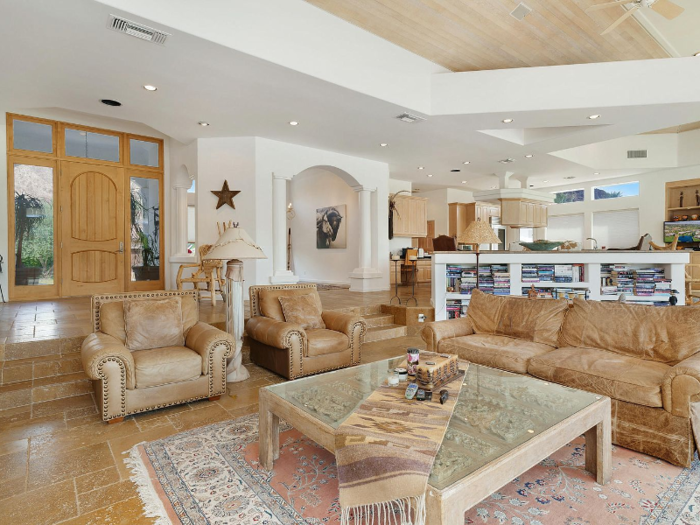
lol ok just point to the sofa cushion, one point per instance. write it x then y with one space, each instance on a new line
112 320
323 342
302 310
533 320
269 300
190 313
497 351
666 335
153 323
171 364
617 376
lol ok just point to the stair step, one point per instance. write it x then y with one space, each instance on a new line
380 333
45 389
42 347
374 320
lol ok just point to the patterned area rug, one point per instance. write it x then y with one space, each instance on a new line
210 475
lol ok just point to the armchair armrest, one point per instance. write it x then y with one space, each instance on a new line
274 333
204 339
345 323
435 332
98 349
681 386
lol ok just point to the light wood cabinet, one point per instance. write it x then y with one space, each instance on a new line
519 213
411 217
463 214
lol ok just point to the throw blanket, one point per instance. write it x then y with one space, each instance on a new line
385 452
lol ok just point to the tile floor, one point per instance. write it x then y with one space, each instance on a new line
59 463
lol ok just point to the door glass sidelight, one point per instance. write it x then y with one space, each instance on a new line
34 226
145 229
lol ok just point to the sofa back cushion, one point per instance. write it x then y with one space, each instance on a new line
666 335
302 310
537 320
112 317
153 323
269 300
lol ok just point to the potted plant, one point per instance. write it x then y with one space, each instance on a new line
145 245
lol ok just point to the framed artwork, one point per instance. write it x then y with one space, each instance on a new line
331 227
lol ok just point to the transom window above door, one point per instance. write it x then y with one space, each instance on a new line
90 145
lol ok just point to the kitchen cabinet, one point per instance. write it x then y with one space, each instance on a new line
520 213
463 214
411 216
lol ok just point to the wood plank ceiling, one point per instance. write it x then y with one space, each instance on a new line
472 35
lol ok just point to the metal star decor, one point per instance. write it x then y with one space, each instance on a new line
225 196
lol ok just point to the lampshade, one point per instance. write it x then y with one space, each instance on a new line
235 243
478 232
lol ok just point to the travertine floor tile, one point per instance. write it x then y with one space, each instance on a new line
46 506
52 468
96 480
199 418
129 512
105 496
79 437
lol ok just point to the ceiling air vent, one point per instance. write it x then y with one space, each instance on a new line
521 11
410 118
637 154
122 25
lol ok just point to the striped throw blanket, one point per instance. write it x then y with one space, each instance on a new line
385 452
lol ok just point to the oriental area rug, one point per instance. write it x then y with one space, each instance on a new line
211 475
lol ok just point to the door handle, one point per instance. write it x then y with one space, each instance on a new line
121 248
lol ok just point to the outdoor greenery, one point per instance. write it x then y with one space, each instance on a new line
577 195
33 239
148 241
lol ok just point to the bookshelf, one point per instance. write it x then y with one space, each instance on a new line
589 267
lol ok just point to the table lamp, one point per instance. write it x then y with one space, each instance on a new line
477 233
233 245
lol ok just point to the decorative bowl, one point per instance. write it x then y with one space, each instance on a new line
541 246
684 217
693 217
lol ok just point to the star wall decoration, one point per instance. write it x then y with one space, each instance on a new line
225 196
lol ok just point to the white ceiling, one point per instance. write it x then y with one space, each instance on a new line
62 55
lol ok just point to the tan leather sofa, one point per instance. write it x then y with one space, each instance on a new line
645 358
127 382
291 351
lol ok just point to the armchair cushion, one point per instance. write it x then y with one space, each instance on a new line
302 310
99 348
170 364
269 299
681 387
153 323
324 342
204 338
342 322
273 333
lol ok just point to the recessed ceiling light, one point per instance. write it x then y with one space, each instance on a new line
466 162
109 102
507 120
430 174
529 156
545 181
464 182
384 144
569 177
597 173
203 124
293 123
421 167
149 87
593 117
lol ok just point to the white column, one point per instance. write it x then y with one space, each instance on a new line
279 232
365 278
181 221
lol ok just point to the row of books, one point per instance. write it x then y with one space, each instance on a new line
643 282
553 273
493 279
455 309
557 293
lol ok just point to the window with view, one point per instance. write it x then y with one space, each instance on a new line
563 197
615 191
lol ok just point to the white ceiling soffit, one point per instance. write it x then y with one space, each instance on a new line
525 136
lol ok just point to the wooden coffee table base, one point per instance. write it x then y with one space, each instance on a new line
447 506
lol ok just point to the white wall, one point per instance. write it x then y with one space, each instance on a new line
438 206
318 188
399 243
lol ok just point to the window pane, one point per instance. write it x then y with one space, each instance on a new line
89 145
615 191
565 228
616 229
32 136
143 153
562 197
34 247
145 229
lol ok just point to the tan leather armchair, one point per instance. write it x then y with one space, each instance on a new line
289 350
127 382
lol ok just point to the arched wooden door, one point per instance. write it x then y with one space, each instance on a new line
92 229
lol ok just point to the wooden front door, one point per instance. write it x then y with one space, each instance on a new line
92 229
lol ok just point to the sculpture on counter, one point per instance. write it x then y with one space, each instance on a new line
680 202
697 197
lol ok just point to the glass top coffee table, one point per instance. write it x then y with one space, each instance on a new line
502 425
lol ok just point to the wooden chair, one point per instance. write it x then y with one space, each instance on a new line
208 272
444 243
407 267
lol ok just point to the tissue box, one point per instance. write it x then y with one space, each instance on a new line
442 368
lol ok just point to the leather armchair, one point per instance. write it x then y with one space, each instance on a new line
129 382
291 351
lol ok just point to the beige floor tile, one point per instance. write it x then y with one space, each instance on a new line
129 512
105 496
199 418
96 480
10 447
120 447
32 427
13 415
52 468
62 405
46 506
79 437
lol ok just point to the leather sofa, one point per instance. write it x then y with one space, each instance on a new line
645 358
292 351
127 381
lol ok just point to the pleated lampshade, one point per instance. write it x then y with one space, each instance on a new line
235 243
478 232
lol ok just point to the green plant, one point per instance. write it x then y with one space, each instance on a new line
150 242
24 222
38 250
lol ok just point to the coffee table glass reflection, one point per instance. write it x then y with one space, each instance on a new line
502 425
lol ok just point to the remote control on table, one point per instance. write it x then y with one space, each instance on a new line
411 390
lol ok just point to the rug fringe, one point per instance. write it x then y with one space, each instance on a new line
152 505
384 513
